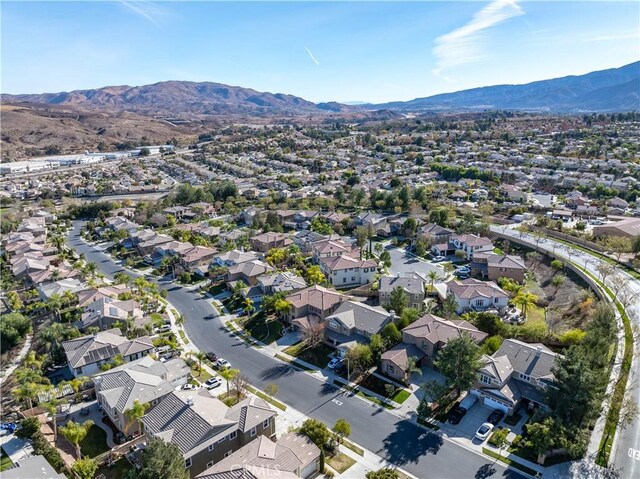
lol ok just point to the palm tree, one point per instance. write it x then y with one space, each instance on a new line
282 306
525 300
90 268
200 356
69 298
433 275
137 411
75 433
54 304
52 408
412 367
27 391
228 375
248 306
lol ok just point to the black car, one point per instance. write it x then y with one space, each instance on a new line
211 356
495 417
456 415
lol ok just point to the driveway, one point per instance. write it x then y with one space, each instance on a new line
404 262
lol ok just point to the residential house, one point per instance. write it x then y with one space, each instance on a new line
326 249
267 241
204 429
474 295
493 266
516 373
281 282
344 271
293 456
247 272
86 354
144 380
106 311
60 288
195 257
233 258
629 228
471 244
316 301
410 283
35 467
436 233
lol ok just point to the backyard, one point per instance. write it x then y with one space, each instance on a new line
95 442
5 462
118 470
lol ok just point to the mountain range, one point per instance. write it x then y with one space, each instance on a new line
615 89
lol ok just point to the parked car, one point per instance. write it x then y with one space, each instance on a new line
483 431
213 382
456 415
438 259
495 417
468 402
334 363
164 328
463 269
211 356
222 364
189 386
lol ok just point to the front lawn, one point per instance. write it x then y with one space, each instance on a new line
262 328
318 356
378 386
95 442
5 462
340 462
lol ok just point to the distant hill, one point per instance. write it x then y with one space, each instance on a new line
615 89
177 98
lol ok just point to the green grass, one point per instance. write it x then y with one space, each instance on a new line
401 396
201 375
183 336
5 462
377 385
257 327
217 289
509 462
95 442
340 462
270 400
363 395
318 356
119 470
349 445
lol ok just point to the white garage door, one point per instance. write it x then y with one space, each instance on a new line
495 404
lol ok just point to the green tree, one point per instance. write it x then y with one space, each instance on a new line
433 276
360 359
499 440
228 375
248 307
540 437
85 468
391 335
320 225
317 431
137 411
525 301
376 344
75 433
385 258
557 264
449 306
385 473
342 429
398 300
315 275
160 460
271 390
459 362
15 303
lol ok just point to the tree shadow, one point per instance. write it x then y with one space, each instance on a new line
328 388
408 443
486 470
278 371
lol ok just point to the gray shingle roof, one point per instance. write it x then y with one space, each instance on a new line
361 316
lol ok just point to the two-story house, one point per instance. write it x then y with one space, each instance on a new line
422 340
435 233
247 272
471 244
233 258
264 242
326 249
293 456
494 266
204 429
346 272
86 354
315 301
410 283
475 295
516 373
144 380
285 281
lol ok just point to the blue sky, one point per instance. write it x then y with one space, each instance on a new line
320 51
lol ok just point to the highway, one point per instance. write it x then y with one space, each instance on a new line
626 452
425 454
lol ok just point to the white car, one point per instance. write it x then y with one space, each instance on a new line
222 364
189 386
438 259
483 431
213 383
164 328
334 363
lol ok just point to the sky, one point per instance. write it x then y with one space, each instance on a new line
321 51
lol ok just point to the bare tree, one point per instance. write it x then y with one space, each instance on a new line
239 382
629 412
605 269
313 335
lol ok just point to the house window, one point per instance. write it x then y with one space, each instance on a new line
495 300
228 453
222 439
334 324
265 424
210 448
344 280
525 377
485 379
254 431
479 302
209 464
233 435
390 368
187 463
353 278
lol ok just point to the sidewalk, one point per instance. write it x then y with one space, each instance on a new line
15 362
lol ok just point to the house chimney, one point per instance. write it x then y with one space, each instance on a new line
190 401
392 315
538 350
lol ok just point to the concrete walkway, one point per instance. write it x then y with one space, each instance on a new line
15 362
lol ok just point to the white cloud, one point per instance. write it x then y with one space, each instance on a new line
465 44
313 59
147 10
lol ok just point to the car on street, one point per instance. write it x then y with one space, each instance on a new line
222 364
483 431
213 383
189 386
211 356
456 415
438 259
495 417
334 363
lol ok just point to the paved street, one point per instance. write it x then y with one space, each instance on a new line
424 454
626 451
